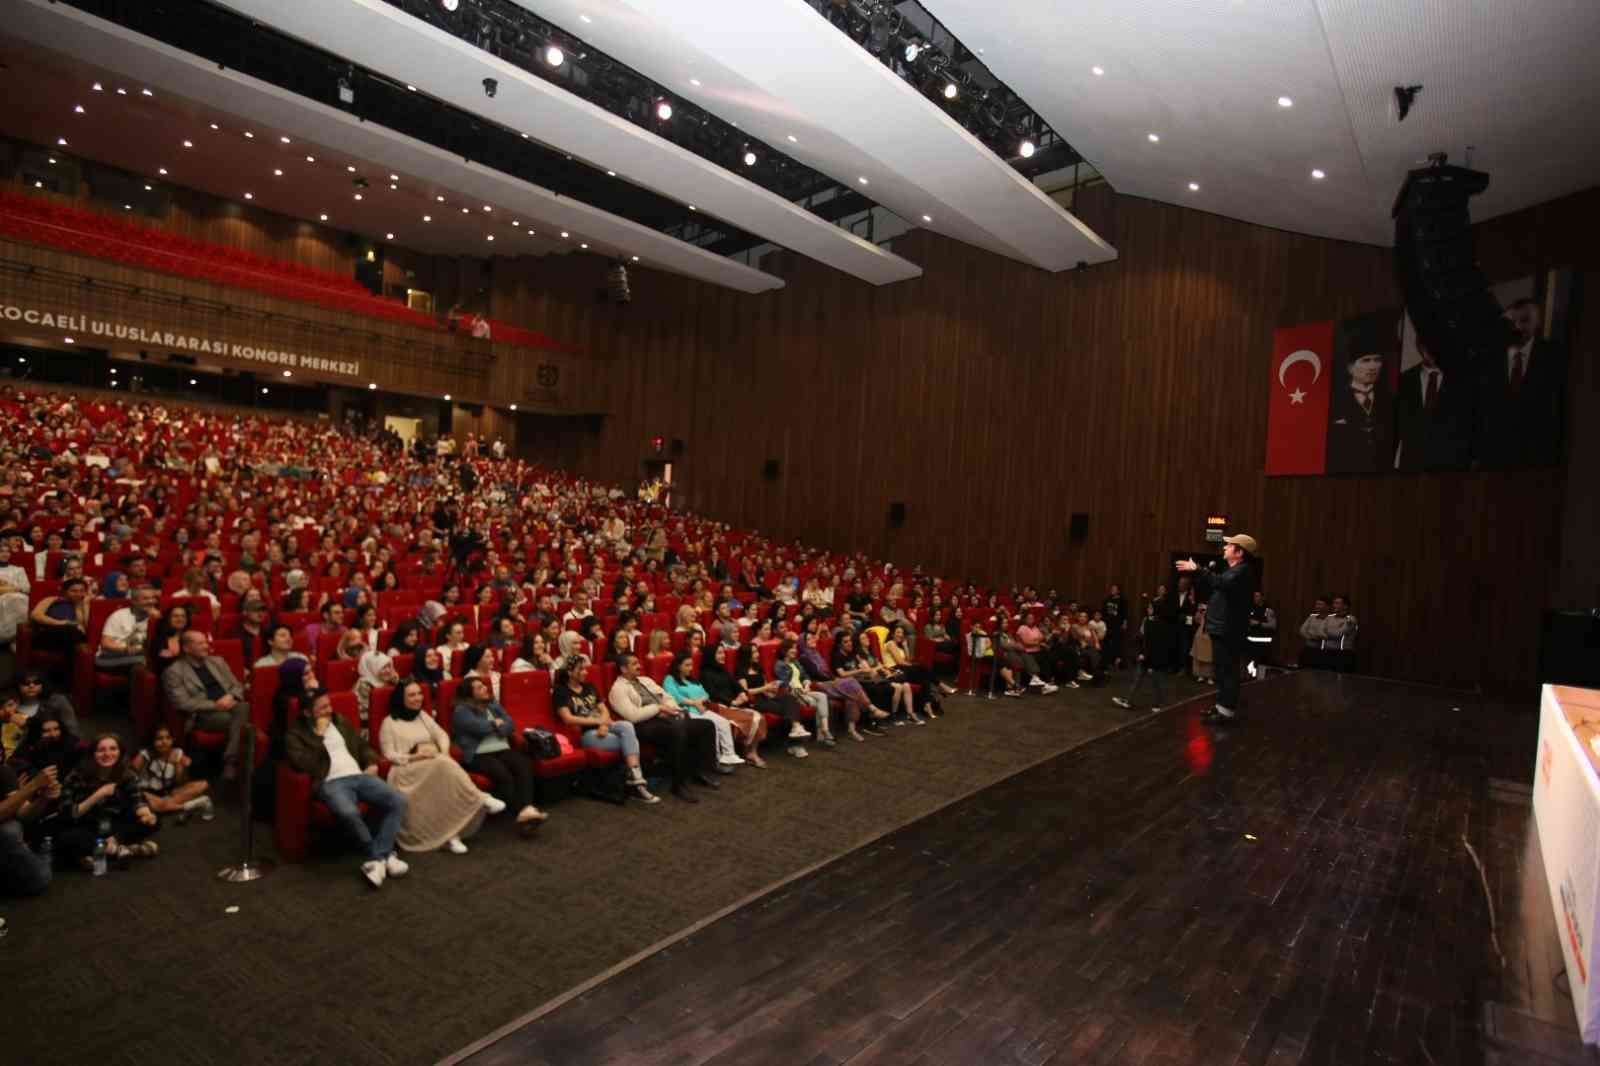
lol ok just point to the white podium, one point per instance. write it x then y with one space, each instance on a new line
1566 808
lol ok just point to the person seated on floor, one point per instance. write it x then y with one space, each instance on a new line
122 637
101 799
343 769
688 694
443 806
34 699
730 700
23 797
690 744
162 771
280 647
201 687
47 743
482 729
791 678
579 706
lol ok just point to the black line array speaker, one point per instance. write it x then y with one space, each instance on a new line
770 469
897 514
1446 295
1078 528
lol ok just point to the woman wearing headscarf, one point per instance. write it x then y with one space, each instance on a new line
442 803
373 671
114 586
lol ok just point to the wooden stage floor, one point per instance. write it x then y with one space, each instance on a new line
1295 888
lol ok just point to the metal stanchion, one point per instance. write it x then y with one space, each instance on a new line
248 868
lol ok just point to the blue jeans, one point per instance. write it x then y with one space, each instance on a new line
620 737
22 873
342 794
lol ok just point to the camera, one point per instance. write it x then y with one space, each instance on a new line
490 87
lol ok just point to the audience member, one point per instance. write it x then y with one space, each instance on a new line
442 804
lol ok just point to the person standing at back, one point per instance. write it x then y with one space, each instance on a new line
1227 620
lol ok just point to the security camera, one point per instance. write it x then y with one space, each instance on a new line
490 87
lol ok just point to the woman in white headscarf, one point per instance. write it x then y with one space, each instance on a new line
374 670
442 803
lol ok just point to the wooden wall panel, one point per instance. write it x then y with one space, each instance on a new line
996 400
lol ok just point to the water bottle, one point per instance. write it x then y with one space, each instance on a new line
100 857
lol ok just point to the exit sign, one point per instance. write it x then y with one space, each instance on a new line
1216 528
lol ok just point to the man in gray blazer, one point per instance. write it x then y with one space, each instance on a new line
202 688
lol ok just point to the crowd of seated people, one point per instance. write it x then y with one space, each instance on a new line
339 613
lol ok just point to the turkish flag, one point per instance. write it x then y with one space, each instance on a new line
1297 415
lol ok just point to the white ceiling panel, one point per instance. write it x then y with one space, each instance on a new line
1515 81
782 73
191 93
384 39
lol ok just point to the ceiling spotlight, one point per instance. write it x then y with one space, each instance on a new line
447 396
394 177
159 170
565 234
193 382
284 139
69 340
585 18
1194 186
263 390
611 173
583 246
663 110
358 196
927 218
491 237
249 196
1154 137
514 222
486 207
311 159
1318 174
146 92
249 135
351 168
793 139
129 207
188 144
450 5
372 385
635 259
692 207
863 181
388 236
277 173
62 141
950 91
514 406
1097 71
99 88
121 91
1026 149
288 373
427 218
466 210
439 198
749 159
149 188
215 126
78 110
393 187
322 218
411 88
38 185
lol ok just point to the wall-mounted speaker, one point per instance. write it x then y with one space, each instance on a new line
1078 528
770 470
897 514
1446 295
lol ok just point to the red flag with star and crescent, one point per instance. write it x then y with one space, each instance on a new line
1297 415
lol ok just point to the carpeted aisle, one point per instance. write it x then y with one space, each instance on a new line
146 965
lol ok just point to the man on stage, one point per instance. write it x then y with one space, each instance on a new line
1227 596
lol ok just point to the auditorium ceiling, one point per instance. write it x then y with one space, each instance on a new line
1510 86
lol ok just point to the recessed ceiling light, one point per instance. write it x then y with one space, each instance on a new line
1154 137
447 395
393 187
62 141
277 173
388 236
1284 101
749 159
695 82
288 373
249 196
129 207
263 390
793 139
554 56
322 218
250 135
53 163
927 218
78 109
38 185
585 18
121 91
1319 174
663 111
611 173
159 170
490 237
486 207
69 340
188 144
439 198
863 181
692 207
358 196
192 381
284 139
99 88
149 188
635 259
950 91
215 126
311 159
146 92
1097 71
394 177
427 218
372 385
411 88
564 234
1194 186
514 222
1026 149
351 168
466 210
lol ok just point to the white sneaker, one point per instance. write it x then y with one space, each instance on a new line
396 866
1047 689
1220 709
798 732
374 871
643 793
1121 702
1084 675
729 760
1035 682
493 804
455 846
797 751
205 807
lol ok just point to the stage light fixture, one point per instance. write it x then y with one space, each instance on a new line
913 50
1027 149
950 91
450 5
749 159
663 110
